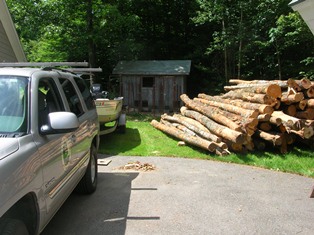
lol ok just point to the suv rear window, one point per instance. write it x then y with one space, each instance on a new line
72 97
85 93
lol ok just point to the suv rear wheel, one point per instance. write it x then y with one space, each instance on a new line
88 183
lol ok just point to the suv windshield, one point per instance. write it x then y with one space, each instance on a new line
13 104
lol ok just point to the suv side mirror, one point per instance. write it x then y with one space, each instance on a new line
60 122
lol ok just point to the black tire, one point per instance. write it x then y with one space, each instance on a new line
88 183
12 227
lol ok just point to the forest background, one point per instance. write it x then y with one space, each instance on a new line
224 39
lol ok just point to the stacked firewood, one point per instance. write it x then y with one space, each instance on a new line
250 115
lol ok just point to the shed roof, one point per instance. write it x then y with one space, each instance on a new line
10 46
153 67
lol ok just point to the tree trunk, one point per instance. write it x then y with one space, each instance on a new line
251 97
288 121
204 144
307 114
191 121
217 129
310 92
211 112
263 117
275 139
271 89
246 113
206 135
262 108
304 83
310 103
90 36
291 98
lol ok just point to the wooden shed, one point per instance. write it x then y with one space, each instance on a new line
10 47
152 85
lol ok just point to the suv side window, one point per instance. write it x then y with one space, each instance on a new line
85 93
49 100
72 97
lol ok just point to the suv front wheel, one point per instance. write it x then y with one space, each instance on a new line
10 226
88 183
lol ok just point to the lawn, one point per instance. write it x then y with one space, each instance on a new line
141 139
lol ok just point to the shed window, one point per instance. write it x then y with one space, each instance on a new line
148 81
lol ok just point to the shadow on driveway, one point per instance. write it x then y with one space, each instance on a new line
104 212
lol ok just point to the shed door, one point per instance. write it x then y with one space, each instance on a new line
148 84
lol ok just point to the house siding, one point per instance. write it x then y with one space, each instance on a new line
10 46
6 51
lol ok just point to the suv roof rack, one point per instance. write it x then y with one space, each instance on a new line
69 66
44 64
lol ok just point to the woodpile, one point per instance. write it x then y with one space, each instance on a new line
250 115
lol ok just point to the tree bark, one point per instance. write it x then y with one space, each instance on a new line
217 129
291 98
275 139
251 97
306 114
262 108
246 113
206 135
204 144
272 89
211 112
310 92
310 103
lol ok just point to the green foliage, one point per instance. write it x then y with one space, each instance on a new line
223 38
141 139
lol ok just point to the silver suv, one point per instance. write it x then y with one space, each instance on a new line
49 141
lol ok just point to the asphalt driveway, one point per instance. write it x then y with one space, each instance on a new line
185 196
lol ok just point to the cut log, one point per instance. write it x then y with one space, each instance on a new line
290 110
265 126
302 104
202 133
251 97
305 83
211 112
239 103
305 133
306 114
259 144
197 141
288 121
291 98
234 147
240 81
310 103
273 138
263 117
247 113
275 120
310 92
271 89
192 122
294 85
217 129
248 143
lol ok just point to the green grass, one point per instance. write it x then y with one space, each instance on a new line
141 139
